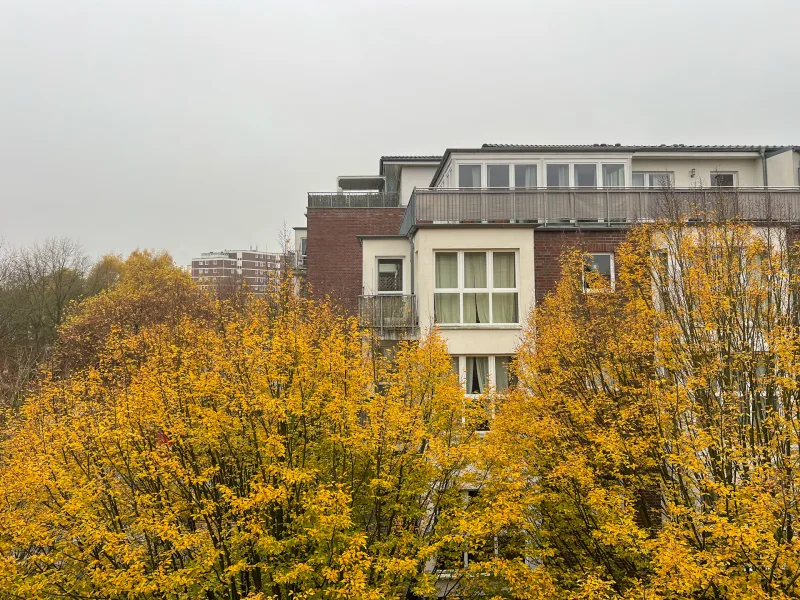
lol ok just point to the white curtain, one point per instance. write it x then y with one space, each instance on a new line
446 270
476 308
525 176
557 175
445 308
477 374
504 270
475 270
613 175
501 365
504 308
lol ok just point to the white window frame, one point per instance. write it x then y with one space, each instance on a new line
402 260
647 174
530 163
735 178
613 272
508 166
491 290
481 171
491 373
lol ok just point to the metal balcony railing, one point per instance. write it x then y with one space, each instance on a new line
572 207
353 199
388 313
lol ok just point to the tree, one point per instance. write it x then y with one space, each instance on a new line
189 447
651 448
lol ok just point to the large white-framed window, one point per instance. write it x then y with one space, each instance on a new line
476 287
469 176
653 180
477 373
497 176
390 275
585 174
526 176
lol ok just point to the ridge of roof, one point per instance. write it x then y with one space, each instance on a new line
412 157
635 147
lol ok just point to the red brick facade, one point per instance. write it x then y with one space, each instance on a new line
548 245
334 252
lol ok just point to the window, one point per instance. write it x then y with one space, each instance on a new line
585 175
497 176
525 176
478 371
476 287
469 176
390 275
557 175
720 179
657 180
613 175
601 263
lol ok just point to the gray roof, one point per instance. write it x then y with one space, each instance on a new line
408 159
617 147
421 158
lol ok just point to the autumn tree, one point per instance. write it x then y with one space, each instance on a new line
651 448
187 447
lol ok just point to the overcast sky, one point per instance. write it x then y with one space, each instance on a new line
196 125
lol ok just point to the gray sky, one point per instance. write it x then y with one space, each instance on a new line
196 125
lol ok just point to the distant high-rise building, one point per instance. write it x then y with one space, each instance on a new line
258 271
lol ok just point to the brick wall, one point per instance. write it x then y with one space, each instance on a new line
334 252
549 245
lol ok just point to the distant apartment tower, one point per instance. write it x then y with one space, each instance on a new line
258 271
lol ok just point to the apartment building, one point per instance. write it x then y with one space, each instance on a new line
472 239
259 271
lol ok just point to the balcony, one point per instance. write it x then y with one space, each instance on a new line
592 207
388 315
354 199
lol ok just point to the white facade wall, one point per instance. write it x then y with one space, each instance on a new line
413 176
781 171
375 248
474 339
749 169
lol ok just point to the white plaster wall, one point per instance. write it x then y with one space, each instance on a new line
796 161
412 176
749 169
781 171
467 339
375 248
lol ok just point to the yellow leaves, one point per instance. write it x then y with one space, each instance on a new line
202 448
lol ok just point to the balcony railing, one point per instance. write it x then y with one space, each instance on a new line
573 207
388 314
354 199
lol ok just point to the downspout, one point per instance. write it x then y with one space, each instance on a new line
765 177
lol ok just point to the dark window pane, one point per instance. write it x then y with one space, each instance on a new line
722 179
469 176
557 175
586 175
497 175
525 176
